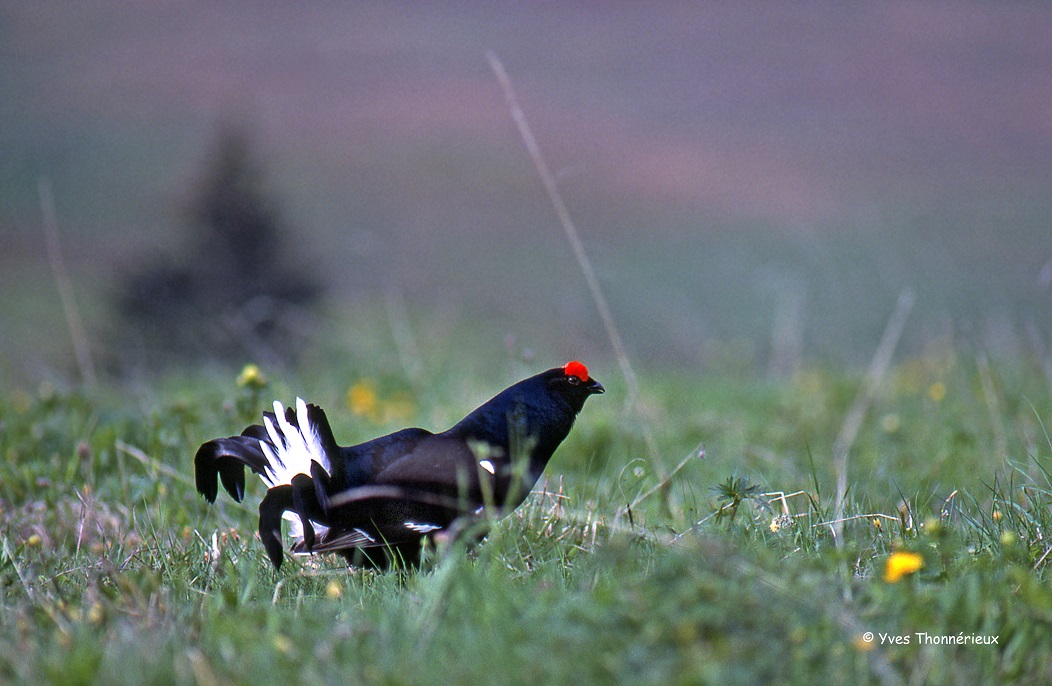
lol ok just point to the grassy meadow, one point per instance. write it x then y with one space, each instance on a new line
709 553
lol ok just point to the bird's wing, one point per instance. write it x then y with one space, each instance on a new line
438 464
358 465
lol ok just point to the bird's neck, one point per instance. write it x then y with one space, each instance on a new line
518 431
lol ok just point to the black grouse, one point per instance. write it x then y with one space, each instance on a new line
375 502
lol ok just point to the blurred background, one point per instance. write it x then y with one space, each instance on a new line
756 183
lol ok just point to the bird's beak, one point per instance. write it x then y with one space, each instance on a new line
595 387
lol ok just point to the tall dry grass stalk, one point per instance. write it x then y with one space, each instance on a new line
878 368
81 348
583 262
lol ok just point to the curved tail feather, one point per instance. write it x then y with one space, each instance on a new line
225 459
271 508
287 443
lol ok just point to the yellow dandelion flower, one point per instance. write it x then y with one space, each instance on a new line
779 522
362 400
251 376
877 523
937 391
33 540
901 564
333 591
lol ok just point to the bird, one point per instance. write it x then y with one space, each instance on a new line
377 502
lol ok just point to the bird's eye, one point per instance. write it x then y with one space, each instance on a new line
574 381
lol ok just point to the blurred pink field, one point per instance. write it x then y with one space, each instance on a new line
381 125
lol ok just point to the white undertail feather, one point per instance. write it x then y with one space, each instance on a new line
296 527
290 451
421 528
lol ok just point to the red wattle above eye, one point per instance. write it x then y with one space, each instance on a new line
577 369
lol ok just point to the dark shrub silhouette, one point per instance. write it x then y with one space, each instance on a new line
236 292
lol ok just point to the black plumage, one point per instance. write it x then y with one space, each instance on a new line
374 502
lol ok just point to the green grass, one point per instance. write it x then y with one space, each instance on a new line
113 570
